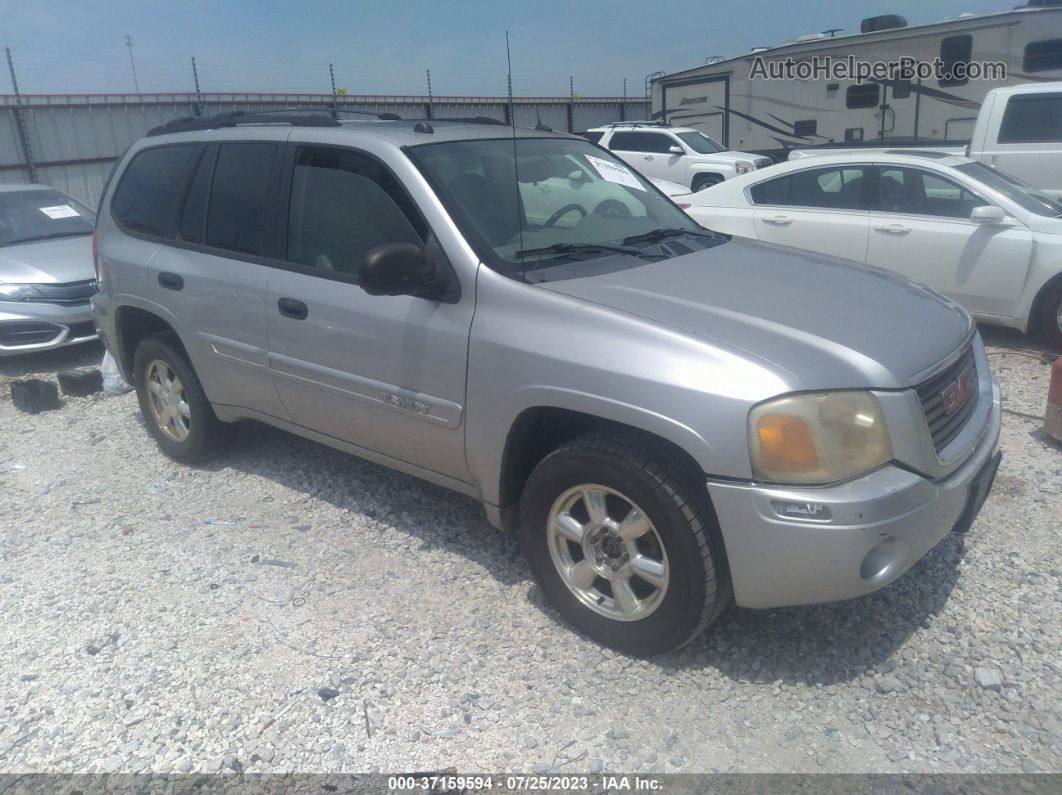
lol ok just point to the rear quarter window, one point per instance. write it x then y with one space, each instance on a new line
146 198
593 137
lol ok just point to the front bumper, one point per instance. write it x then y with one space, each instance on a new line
28 327
879 525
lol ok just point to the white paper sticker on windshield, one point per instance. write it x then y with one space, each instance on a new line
614 172
60 211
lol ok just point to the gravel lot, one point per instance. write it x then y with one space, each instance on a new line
290 608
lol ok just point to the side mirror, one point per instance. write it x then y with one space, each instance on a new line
675 149
399 269
578 176
988 214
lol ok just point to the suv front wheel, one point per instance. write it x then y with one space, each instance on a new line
175 408
621 546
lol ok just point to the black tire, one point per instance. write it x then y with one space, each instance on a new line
207 435
698 589
1048 320
702 181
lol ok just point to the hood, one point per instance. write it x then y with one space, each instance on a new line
829 322
56 261
731 156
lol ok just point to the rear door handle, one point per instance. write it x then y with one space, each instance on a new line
171 281
893 229
293 308
778 220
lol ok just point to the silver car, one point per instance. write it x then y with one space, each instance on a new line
46 272
673 419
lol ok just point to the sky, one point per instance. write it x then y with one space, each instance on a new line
386 47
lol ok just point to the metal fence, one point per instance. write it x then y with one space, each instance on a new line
70 141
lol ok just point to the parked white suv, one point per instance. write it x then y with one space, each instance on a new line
679 154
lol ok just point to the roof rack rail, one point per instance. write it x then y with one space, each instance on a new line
462 119
640 123
295 117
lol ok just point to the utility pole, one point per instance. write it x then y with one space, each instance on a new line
198 97
571 103
132 63
332 76
625 88
23 135
430 98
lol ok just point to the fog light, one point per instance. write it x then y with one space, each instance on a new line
810 511
879 560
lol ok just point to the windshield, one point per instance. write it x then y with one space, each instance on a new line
28 215
699 142
1025 196
534 203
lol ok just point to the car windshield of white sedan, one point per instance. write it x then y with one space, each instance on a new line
555 203
1025 196
699 142
32 215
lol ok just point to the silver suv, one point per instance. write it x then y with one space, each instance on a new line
673 418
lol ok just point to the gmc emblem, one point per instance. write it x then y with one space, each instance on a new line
958 391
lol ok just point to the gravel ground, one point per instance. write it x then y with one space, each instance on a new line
290 608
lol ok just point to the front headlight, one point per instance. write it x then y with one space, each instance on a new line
17 292
743 167
818 437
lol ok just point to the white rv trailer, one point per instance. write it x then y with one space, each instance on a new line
773 116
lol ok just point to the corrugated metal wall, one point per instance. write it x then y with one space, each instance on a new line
74 138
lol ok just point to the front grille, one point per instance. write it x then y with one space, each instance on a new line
14 333
69 294
945 425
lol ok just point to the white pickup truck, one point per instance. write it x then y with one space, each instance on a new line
1018 131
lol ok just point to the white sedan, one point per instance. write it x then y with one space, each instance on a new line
977 235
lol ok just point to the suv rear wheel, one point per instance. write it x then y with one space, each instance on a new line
620 545
175 408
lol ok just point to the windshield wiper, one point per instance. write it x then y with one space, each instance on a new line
576 248
656 235
46 237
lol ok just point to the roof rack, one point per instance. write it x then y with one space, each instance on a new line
642 123
295 117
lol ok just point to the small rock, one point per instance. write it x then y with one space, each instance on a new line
988 678
888 684
327 693
596 765
617 733
530 742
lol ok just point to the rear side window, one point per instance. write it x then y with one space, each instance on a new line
836 188
593 137
146 198
1033 118
1042 56
640 142
193 216
238 197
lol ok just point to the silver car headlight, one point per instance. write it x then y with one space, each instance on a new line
819 437
743 167
18 292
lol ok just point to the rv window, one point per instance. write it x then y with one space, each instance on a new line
955 50
901 89
862 95
805 128
640 142
1042 56
1032 118
853 134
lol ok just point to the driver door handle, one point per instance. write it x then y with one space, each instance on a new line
293 308
778 220
893 229
648 157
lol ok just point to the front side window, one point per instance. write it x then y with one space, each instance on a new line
147 193
647 142
701 143
238 197
343 204
532 205
1032 118
835 188
32 215
917 192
